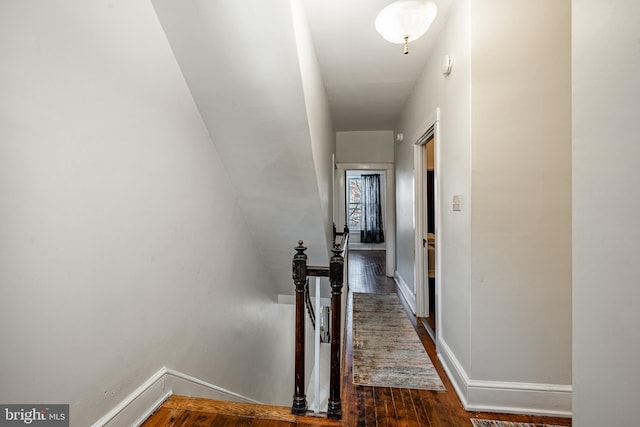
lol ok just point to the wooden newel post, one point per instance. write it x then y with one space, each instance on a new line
336 277
299 406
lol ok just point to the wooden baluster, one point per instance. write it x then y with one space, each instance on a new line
336 277
299 406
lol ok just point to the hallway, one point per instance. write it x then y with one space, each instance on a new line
377 406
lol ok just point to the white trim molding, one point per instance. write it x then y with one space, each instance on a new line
134 409
505 396
429 130
408 295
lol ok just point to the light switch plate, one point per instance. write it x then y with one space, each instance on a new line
457 202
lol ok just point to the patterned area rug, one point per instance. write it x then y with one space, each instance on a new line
386 349
493 423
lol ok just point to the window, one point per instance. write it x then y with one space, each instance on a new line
354 199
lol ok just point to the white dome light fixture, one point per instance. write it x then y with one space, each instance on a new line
406 20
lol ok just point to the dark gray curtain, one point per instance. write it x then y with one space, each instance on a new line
371 225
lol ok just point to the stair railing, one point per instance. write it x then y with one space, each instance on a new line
309 304
335 273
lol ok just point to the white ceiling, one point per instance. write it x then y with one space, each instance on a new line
367 79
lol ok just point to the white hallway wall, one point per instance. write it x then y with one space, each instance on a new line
521 191
121 246
606 198
506 278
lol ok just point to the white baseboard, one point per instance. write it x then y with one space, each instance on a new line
454 369
520 398
134 409
503 396
427 328
406 293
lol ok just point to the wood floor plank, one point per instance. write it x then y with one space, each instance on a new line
163 417
440 412
371 413
195 419
385 409
316 421
272 423
421 413
404 408
250 410
356 409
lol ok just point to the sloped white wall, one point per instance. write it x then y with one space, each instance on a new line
321 132
244 73
121 246
606 199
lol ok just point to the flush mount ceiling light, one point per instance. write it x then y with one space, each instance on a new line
406 20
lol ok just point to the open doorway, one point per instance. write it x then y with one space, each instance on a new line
429 240
387 190
427 228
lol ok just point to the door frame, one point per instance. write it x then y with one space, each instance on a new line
422 291
390 212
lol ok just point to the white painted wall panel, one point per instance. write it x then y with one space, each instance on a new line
606 196
521 191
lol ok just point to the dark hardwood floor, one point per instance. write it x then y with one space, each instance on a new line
362 406
180 411
367 273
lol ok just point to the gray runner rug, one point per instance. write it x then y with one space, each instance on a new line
386 349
